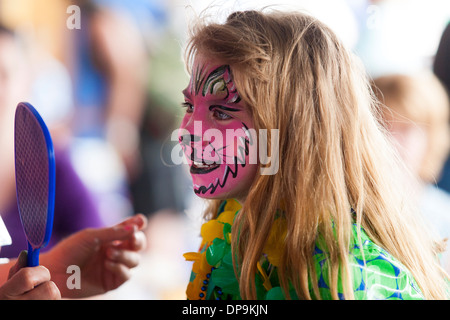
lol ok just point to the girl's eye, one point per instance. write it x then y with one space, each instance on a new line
189 107
221 115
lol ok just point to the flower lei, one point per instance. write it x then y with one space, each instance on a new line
213 273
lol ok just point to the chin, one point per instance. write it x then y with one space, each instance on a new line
234 190
222 195
222 181
213 189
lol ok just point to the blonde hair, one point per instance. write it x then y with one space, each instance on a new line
296 76
422 100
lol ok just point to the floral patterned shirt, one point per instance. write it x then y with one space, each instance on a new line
213 277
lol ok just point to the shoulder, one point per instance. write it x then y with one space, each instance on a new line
376 275
380 275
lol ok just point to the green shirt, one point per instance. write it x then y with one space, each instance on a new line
380 277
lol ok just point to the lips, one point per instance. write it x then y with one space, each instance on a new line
202 167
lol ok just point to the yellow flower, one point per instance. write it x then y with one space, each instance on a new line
232 205
214 228
200 265
227 217
267 285
193 291
275 243
211 230
201 268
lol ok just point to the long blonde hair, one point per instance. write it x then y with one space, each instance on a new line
296 76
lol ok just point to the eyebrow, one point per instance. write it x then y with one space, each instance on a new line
205 83
215 76
223 108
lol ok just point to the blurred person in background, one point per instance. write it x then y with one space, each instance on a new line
44 23
107 63
74 205
156 186
417 116
441 69
125 67
121 119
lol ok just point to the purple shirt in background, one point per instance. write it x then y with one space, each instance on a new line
75 209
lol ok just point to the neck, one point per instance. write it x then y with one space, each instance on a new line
241 200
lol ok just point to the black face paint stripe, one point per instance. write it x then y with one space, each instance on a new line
215 76
223 108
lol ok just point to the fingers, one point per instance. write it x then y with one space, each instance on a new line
136 242
110 234
128 258
120 232
139 220
30 283
121 274
122 256
45 291
27 278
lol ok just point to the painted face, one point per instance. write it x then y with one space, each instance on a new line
217 134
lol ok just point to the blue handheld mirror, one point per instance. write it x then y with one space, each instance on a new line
35 178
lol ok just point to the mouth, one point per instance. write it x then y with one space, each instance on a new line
202 168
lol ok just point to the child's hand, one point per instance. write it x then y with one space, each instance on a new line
25 283
104 257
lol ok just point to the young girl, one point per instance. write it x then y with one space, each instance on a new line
333 221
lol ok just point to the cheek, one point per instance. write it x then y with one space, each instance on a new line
235 143
237 168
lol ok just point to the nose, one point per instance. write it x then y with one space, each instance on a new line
187 139
192 130
191 145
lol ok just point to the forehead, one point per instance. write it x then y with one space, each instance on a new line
212 79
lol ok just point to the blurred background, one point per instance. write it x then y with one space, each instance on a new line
107 75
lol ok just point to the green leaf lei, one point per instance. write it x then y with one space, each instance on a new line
381 276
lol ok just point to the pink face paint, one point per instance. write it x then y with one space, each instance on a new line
217 134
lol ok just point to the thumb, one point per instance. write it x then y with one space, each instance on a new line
21 262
